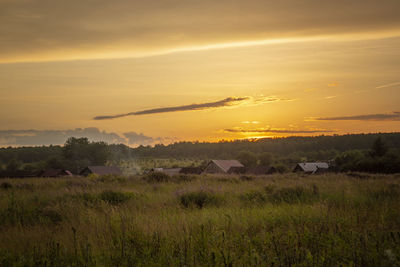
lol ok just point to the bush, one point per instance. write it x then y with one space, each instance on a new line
5 185
387 192
246 178
269 188
184 178
199 199
52 215
157 177
88 198
114 198
255 197
296 194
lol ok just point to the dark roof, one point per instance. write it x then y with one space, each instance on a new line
225 165
55 173
311 167
102 170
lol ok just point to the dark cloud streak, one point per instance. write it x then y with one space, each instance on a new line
369 117
222 103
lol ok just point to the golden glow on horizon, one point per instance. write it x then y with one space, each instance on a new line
173 68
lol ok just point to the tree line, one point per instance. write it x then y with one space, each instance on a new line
354 152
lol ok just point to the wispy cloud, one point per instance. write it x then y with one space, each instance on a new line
230 101
227 102
395 116
250 122
271 130
134 138
388 85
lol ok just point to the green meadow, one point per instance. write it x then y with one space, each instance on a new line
156 220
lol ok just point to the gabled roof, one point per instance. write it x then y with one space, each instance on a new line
225 165
104 170
312 167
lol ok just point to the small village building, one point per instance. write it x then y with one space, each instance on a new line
311 167
224 166
261 170
55 173
101 170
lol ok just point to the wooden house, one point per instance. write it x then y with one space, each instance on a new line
224 166
311 167
101 170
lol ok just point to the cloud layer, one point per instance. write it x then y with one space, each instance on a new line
58 137
230 101
395 116
288 131
227 102
56 30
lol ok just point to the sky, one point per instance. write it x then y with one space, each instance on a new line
148 72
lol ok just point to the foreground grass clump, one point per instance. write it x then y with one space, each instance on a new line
115 198
199 199
280 220
157 177
292 195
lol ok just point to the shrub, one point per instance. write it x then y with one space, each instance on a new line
296 194
269 188
199 199
88 198
114 198
184 178
246 178
52 215
255 197
5 185
387 192
111 178
157 177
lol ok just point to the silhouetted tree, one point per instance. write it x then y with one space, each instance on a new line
265 158
247 158
379 148
13 166
80 152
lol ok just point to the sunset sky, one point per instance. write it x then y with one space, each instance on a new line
147 72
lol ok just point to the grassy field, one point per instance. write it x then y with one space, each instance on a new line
283 220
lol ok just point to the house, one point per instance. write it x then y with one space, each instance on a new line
55 173
101 170
224 166
311 167
261 170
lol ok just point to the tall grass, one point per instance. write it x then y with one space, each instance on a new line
282 220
